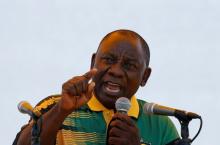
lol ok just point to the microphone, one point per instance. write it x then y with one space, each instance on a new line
122 105
26 108
152 108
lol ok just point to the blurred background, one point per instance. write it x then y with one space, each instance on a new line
43 43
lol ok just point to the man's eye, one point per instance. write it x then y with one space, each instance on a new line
129 66
109 60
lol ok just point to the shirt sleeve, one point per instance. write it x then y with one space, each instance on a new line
170 133
42 107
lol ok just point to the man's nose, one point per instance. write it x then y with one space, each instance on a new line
116 70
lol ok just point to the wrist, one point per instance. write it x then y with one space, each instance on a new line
61 111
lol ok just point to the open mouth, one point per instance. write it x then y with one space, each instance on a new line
112 88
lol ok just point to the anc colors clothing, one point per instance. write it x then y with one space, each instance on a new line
88 125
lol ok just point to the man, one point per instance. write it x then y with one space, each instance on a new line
84 113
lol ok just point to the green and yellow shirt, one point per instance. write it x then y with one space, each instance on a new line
88 125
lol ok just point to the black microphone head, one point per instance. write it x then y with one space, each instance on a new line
148 108
122 105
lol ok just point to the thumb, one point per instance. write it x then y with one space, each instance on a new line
91 87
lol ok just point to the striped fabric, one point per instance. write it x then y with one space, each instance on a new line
88 125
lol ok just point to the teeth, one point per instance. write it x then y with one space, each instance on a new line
112 87
113 84
112 90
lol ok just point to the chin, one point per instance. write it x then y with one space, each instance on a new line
107 100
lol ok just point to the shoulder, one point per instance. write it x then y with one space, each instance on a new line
42 107
47 103
141 102
160 126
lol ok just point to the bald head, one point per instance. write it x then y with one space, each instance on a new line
131 36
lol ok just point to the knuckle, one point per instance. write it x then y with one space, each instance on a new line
112 131
65 85
113 123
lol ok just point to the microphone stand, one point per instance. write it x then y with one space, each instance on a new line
184 122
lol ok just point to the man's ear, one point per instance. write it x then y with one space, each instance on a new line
92 60
146 75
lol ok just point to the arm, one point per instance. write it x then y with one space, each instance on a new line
75 93
52 120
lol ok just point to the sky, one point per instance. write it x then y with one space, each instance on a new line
43 43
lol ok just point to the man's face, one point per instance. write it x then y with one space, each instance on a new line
121 66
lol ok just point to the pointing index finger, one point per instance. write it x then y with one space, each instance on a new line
90 74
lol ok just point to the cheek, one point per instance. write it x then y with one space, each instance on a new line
133 85
101 72
136 76
133 82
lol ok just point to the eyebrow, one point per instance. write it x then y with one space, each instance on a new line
131 58
109 54
127 58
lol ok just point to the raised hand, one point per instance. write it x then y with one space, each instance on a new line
77 91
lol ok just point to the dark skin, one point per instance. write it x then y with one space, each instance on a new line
118 69
123 131
75 93
120 60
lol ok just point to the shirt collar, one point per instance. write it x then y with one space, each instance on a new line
95 105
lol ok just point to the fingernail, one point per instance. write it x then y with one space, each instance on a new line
92 84
95 69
